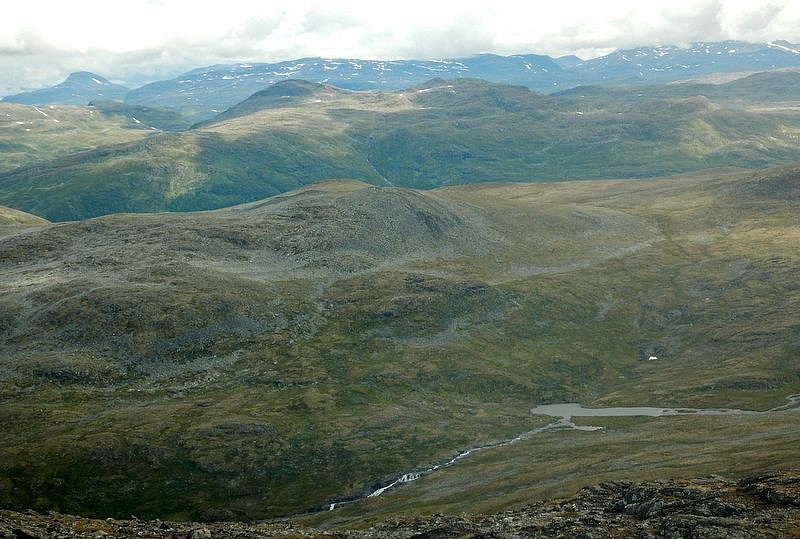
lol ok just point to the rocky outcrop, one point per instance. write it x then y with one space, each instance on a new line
766 505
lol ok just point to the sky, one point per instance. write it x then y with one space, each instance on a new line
138 41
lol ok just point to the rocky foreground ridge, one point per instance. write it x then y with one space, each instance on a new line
766 505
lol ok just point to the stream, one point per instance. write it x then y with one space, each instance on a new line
565 412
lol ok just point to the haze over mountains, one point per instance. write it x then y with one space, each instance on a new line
78 89
204 92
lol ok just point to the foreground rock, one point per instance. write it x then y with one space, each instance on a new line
767 505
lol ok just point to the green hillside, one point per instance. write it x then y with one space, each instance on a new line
757 89
10 216
440 133
141 117
273 357
31 134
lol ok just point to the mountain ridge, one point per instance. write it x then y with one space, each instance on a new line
440 132
203 92
212 89
77 89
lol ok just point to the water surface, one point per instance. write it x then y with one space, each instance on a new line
574 409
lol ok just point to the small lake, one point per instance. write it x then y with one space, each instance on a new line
574 409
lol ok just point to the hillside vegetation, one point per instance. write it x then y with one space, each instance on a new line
772 89
441 133
30 135
10 216
273 357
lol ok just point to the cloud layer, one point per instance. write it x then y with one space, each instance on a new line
142 40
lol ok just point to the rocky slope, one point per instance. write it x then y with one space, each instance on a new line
762 506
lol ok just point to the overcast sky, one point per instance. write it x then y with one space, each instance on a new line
136 41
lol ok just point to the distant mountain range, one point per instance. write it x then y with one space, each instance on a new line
442 132
78 89
204 92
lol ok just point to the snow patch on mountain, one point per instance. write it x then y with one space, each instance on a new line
782 48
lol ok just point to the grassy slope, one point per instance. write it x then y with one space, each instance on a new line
752 89
27 136
442 133
559 464
710 300
270 358
140 117
10 216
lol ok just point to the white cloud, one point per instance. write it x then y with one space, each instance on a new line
41 41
